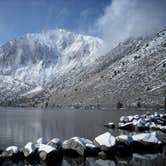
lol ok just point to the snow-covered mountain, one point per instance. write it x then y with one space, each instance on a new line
133 74
63 69
35 59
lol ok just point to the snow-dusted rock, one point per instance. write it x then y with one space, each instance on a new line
80 146
140 143
154 126
40 140
30 152
125 119
105 139
13 153
44 150
51 152
28 149
142 124
124 138
126 126
162 128
91 149
146 143
136 117
146 138
55 143
75 145
12 150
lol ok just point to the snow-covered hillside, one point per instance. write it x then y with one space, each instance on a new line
133 74
63 69
36 59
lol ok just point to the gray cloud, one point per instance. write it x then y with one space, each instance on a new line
131 18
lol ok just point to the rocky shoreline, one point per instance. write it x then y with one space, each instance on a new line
144 140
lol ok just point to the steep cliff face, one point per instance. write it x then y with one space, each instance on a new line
131 75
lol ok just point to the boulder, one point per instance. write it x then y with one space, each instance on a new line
126 126
91 149
30 152
13 153
74 147
142 124
43 150
136 117
105 140
162 137
127 139
126 119
146 142
77 146
55 143
56 155
162 128
51 152
138 143
146 138
122 147
11 150
40 140
154 126
29 148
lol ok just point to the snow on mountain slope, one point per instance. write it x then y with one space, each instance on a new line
133 74
36 59
63 69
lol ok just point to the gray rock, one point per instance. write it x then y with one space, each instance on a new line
74 144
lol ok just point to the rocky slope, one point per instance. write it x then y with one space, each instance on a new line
64 69
131 75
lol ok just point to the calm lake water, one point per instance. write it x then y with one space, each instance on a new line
20 125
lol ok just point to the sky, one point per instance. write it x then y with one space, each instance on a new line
123 19
18 17
112 20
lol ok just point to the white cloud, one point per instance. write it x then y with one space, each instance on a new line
89 12
131 18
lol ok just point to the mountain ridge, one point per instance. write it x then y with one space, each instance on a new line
130 75
133 74
36 59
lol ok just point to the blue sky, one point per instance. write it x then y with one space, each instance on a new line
18 17
112 20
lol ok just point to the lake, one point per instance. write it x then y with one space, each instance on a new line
20 125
